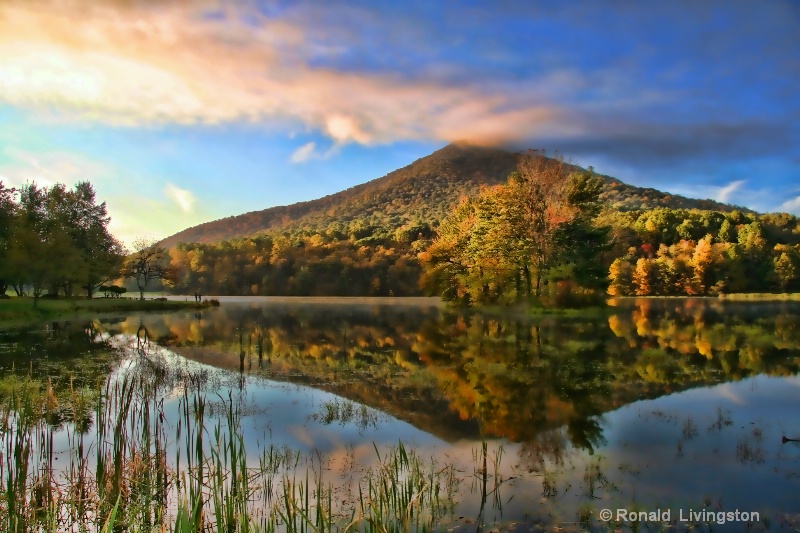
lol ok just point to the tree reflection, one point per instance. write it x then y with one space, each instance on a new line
471 375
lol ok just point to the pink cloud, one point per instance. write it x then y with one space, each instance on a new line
131 65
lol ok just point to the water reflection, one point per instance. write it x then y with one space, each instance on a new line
584 409
471 375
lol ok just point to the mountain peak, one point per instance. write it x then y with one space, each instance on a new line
421 192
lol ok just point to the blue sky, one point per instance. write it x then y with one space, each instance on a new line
185 112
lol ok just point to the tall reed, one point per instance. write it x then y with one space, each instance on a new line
117 476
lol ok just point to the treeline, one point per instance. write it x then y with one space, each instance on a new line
545 235
55 240
320 264
682 252
548 224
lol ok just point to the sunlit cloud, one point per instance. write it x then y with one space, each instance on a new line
131 65
183 197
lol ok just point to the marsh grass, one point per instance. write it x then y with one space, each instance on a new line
118 476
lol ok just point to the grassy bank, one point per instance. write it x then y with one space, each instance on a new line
16 310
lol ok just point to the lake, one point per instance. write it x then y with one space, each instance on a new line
669 413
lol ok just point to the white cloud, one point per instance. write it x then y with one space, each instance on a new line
309 151
19 167
791 206
724 193
305 152
183 197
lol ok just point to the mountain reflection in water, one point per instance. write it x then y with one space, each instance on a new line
589 398
471 375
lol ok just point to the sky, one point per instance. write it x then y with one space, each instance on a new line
188 111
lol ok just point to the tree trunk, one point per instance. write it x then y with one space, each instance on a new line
528 286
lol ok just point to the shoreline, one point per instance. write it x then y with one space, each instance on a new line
19 311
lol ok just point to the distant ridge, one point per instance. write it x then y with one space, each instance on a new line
423 191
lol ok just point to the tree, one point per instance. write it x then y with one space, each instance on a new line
727 233
785 270
101 254
8 209
702 259
56 238
538 196
42 253
147 262
112 291
580 241
540 226
620 274
643 277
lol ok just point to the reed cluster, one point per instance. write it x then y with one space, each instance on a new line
124 467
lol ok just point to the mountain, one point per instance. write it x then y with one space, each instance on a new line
420 193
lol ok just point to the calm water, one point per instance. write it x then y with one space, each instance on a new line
676 404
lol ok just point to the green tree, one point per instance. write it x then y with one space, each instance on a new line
101 254
8 209
148 262
42 253
727 233
580 241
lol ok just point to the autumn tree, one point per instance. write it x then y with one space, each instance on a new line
511 239
785 270
643 277
702 260
620 275
539 194
148 262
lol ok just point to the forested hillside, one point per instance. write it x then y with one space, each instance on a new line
376 239
421 193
